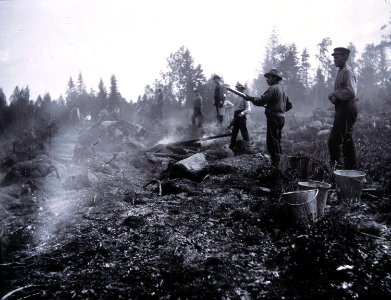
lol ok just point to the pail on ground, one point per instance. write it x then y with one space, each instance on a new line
300 164
349 185
301 205
321 199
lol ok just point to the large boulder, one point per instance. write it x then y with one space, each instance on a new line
80 181
39 167
193 168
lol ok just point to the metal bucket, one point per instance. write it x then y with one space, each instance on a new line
301 205
349 184
321 199
221 111
300 164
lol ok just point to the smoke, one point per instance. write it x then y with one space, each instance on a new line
60 206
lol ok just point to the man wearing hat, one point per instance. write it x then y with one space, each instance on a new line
277 103
219 98
241 109
345 101
197 112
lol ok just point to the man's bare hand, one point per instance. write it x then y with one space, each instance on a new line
333 99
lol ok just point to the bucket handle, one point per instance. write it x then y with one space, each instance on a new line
297 204
357 180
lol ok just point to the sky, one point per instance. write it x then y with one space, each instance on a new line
45 42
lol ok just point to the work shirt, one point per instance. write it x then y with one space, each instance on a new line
275 100
345 89
345 86
242 105
198 102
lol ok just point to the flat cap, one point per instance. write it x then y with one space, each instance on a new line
340 50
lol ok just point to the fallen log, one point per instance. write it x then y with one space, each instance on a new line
201 139
171 155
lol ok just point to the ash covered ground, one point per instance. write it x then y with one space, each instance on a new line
103 211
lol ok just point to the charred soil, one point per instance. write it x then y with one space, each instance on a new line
115 225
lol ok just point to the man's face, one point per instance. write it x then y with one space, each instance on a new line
340 59
271 80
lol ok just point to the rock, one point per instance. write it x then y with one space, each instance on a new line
82 153
193 168
315 124
323 133
242 164
111 136
134 222
326 126
79 182
179 185
16 190
7 162
29 169
219 153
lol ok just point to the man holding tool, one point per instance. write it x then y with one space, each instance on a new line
277 103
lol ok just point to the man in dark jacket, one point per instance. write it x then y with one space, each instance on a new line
219 98
197 106
277 103
345 101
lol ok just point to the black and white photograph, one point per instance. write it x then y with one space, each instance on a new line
195 149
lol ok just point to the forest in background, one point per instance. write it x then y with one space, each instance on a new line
306 84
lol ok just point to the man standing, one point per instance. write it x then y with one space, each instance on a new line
241 109
277 103
159 104
219 98
197 113
345 101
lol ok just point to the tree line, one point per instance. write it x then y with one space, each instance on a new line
307 85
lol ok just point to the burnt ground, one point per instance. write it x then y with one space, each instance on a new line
102 231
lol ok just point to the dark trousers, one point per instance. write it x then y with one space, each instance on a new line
197 114
240 124
341 139
273 137
220 118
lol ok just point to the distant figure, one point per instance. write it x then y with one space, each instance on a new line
74 115
103 115
219 99
345 101
277 103
241 109
115 114
198 107
159 104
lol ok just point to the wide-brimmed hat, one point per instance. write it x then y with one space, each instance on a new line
239 86
216 77
340 50
275 73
